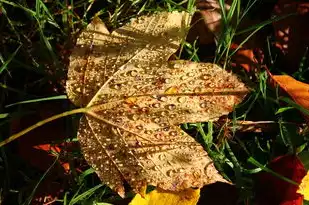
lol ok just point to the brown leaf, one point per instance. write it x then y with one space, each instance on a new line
136 99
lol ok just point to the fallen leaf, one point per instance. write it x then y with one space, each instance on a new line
299 91
136 99
162 197
304 187
273 190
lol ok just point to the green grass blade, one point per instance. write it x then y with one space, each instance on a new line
264 168
58 97
7 62
85 194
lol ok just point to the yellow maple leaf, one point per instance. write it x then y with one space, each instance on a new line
304 187
162 197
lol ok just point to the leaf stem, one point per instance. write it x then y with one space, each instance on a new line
42 122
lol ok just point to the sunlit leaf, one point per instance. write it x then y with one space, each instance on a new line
299 91
161 197
136 98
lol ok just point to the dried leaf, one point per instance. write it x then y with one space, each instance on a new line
136 99
161 197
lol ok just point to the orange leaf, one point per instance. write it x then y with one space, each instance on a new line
299 91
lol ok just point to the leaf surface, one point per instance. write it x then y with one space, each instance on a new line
298 90
136 99
161 197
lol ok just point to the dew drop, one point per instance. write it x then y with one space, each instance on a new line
191 82
184 77
173 133
148 132
203 105
167 80
177 66
156 120
162 157
134 117
134 106
171 107
163 113
170 173
181 99
166 129
156 105
115 86
133 73
190 74
197 90
139 127
163 98
163 124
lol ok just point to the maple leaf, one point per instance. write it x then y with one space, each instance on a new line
136 99
161 197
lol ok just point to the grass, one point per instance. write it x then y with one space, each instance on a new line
35 40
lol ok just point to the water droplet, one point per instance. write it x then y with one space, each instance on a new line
203 105
167 80
148 132
134 117
162 157
184 77
163 98
144 109
173 133
139 127
197 90
177 65
156 105
166 129
181 99
163 113
191 82
180 170
134 106
170 173
157 120
133 73
163 124
171 107
190 74
115 86
137 87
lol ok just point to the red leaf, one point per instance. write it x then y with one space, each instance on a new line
272 190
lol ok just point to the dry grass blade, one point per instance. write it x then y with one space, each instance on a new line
136 99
